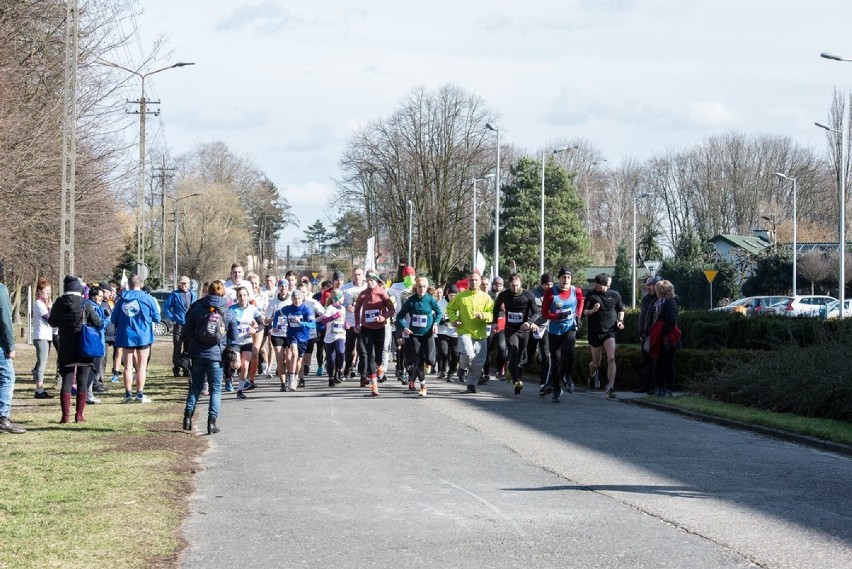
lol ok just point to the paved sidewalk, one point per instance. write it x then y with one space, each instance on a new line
333 478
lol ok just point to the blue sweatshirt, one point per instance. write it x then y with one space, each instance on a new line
299 319
134 316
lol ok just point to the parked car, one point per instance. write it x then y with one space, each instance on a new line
830 311
164 326
757 304
801 305
737 306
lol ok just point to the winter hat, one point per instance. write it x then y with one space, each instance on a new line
373 275
565 271
408 271
546 278
72 284
497 280
336 295
297 294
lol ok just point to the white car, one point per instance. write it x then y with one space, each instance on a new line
801 305
831 311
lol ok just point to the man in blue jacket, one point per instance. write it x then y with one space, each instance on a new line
175 307
134 316
206 318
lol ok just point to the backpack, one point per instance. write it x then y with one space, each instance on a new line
211 328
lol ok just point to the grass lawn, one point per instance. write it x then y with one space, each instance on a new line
110 492
826 429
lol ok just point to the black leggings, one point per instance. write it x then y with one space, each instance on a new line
517 344
496 343
543 353
561 357
420 350
448 354
75 374
354 346
666 369
373 340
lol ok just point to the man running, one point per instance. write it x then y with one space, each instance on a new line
521 313
470 311
354 347
419 330
562 306
538 338
605 312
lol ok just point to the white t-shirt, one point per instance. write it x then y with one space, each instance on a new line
335 329
41 329
350 295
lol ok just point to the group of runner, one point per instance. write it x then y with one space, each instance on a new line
360 327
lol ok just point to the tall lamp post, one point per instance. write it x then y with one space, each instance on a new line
496 264
410 223
475 180
633 284
795 226
140 192
176 213
541 245
842 200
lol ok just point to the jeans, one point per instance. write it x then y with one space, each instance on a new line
7 384
211 372
472 354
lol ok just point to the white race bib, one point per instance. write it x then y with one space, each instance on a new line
536 334
280 327
515 317
337 327
371 315
294 321
419 320
567 311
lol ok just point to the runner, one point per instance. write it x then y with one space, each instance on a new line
299 319
278 332
470 311
605 312
538 346
562 306
496 338
318 310
419 330
448 339
521 313
354 346
250 322
335 337
372 308
236 280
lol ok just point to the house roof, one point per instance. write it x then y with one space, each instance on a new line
748 243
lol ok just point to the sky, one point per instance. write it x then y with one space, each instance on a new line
287 83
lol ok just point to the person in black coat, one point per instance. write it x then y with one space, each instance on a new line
67 316
665 310
646 318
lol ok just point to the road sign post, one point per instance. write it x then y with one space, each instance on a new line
711 274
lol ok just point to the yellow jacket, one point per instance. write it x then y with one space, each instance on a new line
463 307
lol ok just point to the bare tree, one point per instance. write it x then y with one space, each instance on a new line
814 267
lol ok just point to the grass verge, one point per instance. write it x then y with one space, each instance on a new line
825 429
110 492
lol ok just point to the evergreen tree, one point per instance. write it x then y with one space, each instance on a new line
771 275
622 276
566 241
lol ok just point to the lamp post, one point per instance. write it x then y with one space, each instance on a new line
541 245
795 225
410 219
633 284
496 264
140 192
176 213
475 180
842 200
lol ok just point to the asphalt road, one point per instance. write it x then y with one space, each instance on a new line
334 478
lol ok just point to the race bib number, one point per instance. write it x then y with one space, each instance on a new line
419 320
488 329
280 327
515 317
294 321
337 327
565 313
244 329
371 315
536 334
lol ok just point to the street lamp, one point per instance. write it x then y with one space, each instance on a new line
795 225
140 193
842 199
633 284
176 200
496 264
541 250
410 219
475 180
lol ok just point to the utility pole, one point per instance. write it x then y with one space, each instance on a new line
69 142
140 195
164 173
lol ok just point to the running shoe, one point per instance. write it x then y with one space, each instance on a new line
411 386
594 381
518 386
422 391
142 399
128 398
374 390
320 371
610 393
114 378
241 395
471 388
43 395
301 382
545 390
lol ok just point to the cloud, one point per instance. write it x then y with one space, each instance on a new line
265 17
709 113
231 118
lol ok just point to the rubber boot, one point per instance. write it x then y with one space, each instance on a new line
81 405
65 402
211 425
187 420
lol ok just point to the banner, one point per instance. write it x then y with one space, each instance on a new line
480 262
370 259
123 283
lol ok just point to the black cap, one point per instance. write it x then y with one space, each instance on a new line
565 271
546 278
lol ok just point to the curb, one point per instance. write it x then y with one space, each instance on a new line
805 440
